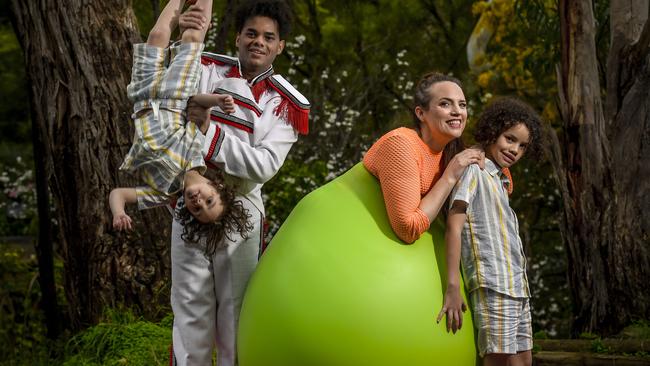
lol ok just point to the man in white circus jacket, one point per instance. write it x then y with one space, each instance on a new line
249 146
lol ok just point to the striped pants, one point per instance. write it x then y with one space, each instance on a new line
207 294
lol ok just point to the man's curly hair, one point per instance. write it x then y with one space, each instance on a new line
234 218
277 10
504 113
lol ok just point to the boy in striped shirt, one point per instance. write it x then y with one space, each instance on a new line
167 150
483 235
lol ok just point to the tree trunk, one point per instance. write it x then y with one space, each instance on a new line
78 56
44 244
601 168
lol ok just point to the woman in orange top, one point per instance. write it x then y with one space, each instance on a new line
417 168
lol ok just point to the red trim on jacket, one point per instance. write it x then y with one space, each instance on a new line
291 112
213 144
231 123
247 106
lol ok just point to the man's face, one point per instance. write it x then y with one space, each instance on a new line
258 44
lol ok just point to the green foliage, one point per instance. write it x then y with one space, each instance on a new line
536 348
17 199
640 329
15 127
294 180
597 346
540 335
588 335
121 339
14 109
22 328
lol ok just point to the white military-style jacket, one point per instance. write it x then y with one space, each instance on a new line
251 144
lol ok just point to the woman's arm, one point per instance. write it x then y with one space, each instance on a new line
437 195
394 161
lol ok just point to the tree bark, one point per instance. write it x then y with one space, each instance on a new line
44 244
78 56
601 168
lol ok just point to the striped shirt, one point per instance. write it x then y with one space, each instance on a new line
492 254
165 145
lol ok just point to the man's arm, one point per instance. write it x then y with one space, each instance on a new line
259 162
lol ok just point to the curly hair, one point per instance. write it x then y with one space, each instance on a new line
422 97
277 10
234 218
504 113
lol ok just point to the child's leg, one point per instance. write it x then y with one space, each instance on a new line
195 35
181 77
503 327
167 21
524 358
496 359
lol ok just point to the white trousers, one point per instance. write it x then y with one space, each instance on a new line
207 294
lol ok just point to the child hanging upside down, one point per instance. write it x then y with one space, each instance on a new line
166 150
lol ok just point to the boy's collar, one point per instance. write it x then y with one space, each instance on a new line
491 167
494 170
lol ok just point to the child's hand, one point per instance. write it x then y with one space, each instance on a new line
227 104
122 222
454 307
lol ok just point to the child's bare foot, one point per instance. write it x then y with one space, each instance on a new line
194 23
192 18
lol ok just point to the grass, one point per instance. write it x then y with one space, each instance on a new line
122 339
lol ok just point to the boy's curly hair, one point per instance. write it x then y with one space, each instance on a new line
504 113
277 10
234 218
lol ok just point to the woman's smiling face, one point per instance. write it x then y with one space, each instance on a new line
446 115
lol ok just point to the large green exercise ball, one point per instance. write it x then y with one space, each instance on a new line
336 287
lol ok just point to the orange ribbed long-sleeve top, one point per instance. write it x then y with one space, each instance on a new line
407 169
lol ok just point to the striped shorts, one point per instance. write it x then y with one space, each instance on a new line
503 323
